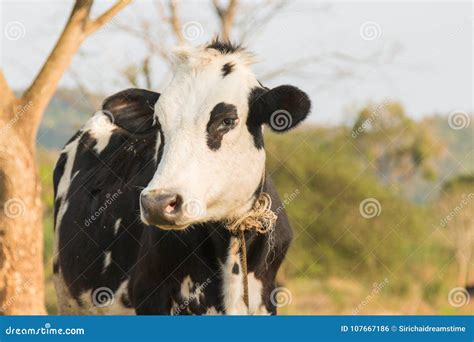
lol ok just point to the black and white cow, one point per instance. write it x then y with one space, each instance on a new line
184 161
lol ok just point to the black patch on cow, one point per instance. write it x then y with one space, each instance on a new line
227 69
235 268
132 109
55 267
126 301
254 124
224 46
282 108
221 121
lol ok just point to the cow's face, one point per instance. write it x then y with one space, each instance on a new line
211 118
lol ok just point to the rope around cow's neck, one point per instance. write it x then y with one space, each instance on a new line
260 218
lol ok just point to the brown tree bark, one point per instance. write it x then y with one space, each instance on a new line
21 228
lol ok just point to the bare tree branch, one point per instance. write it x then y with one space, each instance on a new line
226 16
43 87
94 25
5 90
175 22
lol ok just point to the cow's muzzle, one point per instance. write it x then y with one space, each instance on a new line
160 208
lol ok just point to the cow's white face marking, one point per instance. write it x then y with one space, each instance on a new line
216 178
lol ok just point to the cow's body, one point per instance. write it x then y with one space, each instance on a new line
102 244
188 161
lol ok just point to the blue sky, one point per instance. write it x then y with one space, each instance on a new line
419 53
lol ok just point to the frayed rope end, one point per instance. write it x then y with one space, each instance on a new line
260 218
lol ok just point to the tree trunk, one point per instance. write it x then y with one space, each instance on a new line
21 226
21 236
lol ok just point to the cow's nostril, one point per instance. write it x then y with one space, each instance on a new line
160 207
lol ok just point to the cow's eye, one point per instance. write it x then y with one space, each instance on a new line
228 123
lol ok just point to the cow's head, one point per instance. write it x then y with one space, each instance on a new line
212 116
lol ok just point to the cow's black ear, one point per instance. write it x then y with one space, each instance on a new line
282 108
132 109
